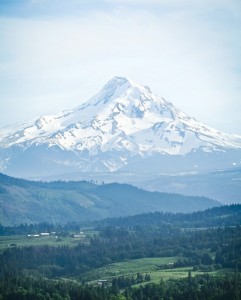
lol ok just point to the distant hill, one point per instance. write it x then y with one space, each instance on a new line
226 215
23 201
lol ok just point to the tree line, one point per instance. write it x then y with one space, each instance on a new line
202 287
227 215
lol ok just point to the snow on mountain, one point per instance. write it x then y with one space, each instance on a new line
125 121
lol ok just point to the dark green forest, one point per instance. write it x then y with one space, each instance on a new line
202 249
207 242
203 287
226 215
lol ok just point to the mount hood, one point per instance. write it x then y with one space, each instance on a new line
123 128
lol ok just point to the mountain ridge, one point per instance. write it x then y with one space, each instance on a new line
24 201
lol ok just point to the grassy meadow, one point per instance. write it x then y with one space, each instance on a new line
159 268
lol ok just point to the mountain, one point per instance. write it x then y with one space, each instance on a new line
125 127
223 185
23 201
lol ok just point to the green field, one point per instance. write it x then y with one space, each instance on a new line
174 273
51 240
131 267
158 268
137 265
24 241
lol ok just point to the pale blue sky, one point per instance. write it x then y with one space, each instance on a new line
55 54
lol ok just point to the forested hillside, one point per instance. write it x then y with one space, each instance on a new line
23 201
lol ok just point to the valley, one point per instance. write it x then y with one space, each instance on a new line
122 257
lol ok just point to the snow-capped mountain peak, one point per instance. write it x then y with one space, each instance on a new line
125 121
116 89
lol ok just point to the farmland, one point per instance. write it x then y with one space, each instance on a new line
128 257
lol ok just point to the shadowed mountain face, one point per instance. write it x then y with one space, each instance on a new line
23 201
124 127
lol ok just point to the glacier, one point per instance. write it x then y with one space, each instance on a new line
124 127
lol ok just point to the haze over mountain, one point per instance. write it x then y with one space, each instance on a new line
123 128
23 201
